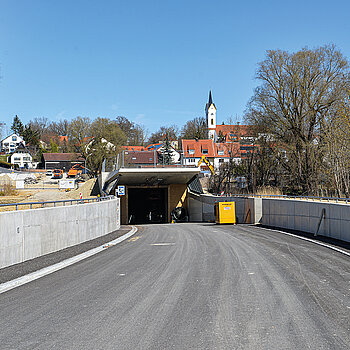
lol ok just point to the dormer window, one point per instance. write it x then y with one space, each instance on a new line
14 138
191 152
204 151
220 153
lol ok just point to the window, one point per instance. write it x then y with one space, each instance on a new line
221 153
191 160
14 138
212 121
191 152
205 151
221 160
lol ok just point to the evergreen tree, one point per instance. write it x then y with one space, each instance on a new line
166 155
17 126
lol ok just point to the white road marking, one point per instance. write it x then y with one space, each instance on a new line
309 240
162 244
4 287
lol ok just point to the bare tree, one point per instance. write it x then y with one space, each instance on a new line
79 133
195 129
292 104
172 132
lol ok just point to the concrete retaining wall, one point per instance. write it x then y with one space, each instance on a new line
305 216
27 234
280 213
201 208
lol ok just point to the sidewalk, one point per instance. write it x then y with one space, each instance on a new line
14 271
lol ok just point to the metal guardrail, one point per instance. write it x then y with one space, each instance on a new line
62 203
313 198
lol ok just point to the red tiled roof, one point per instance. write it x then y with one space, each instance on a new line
234 130
140 157
198 146
228 149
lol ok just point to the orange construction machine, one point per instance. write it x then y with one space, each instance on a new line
75 170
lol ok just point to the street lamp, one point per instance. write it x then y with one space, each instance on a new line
86 160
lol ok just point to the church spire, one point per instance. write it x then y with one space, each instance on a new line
210 99
210 102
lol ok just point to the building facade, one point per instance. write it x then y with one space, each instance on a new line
10 143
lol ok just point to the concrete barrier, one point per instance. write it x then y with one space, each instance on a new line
325 219
201 208
27 234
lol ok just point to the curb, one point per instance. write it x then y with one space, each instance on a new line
4 287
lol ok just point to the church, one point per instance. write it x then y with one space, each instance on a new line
223 133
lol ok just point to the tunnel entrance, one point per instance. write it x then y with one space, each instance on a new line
147 205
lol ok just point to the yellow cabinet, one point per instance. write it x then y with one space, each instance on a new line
225 212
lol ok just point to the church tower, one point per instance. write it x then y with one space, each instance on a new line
210 113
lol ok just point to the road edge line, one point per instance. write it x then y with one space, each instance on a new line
309 240
6 286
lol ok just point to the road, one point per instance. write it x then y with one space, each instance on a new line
188 286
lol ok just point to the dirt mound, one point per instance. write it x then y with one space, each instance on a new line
85 189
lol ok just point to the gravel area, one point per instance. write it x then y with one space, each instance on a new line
11 272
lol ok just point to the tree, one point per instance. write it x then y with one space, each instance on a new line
292 104
136 134
195 129
39 125
166 155
171 132
79 133
60 128
17 126
30 136
106 142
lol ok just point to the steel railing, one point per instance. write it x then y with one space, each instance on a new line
62 203
276 196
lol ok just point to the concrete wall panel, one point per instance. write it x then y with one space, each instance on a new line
27 234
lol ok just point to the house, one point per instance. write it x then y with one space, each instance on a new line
225 133
60 140
140 158
21 157
10 143
226 151
193 150
62 161
160 148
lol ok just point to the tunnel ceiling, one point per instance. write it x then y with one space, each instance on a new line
154 177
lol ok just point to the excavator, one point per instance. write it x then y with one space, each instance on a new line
206 161
75 171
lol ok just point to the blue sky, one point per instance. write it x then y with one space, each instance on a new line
151 61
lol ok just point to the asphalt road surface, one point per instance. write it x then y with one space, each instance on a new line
188 286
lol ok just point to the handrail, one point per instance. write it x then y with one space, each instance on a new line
44 204
283 196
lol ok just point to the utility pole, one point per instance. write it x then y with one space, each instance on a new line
2 126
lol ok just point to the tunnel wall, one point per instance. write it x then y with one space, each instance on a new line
27 234
201 208
299 215
305 216
177 196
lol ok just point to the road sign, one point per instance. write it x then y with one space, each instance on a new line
121 190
